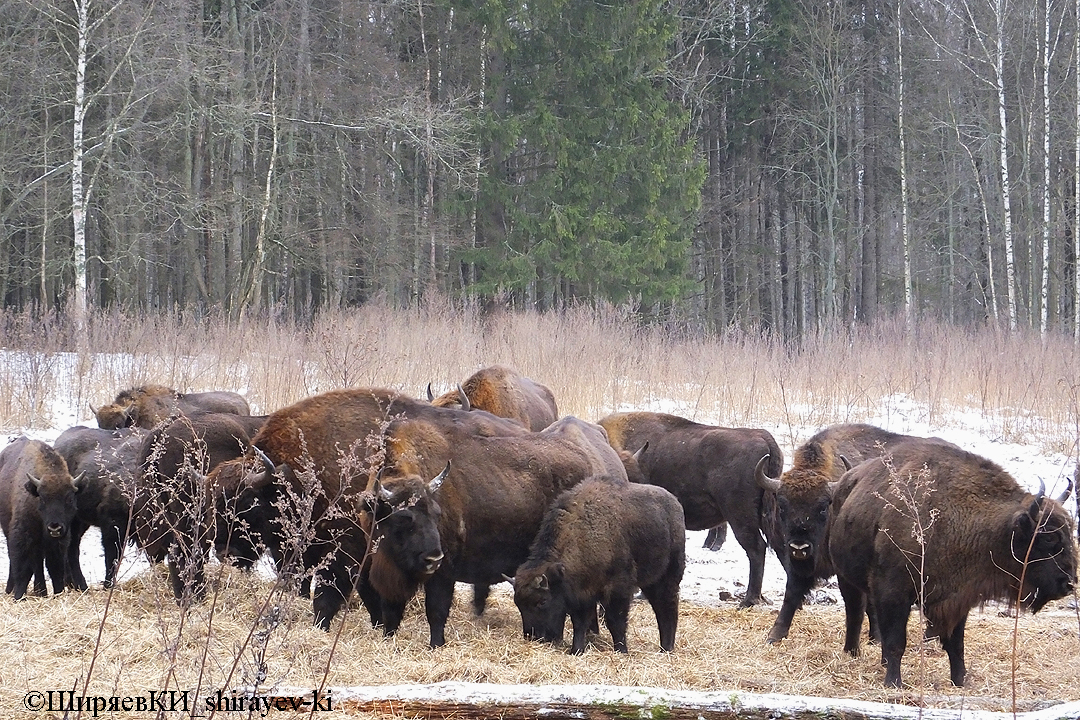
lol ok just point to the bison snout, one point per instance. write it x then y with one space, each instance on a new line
432 562
800 551
56 530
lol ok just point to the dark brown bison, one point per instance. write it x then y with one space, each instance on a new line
37 508
599 542
711 470
490 505
150 405
107 462
309 499
797 505
174 511
934 524
502 391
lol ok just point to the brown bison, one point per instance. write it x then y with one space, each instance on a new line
490 505
797 506
306 483
37 508
504 392
933 524
150 405
107 462
711 470
599 542
174 511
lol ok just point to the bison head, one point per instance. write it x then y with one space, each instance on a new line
404 518
114 416
56 501
1042 539
803 496
541 598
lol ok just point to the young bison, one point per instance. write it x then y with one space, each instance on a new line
599 542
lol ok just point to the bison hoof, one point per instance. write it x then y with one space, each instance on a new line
776 636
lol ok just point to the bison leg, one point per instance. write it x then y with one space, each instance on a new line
953 643
73 571
616 617
331 591
22 570
438 597
370 597
581 618
716 537
892 620
112 542
749 536
665 605
795 591
854 608
56 560
480 594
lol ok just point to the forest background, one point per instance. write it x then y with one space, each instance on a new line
782 165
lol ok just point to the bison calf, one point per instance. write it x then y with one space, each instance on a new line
37 507
933 524
599 542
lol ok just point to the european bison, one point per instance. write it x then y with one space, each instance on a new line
504 392
491 504
107 462
797 506
311 491
711 470
934 524
150 405
37 508
599 542
174 513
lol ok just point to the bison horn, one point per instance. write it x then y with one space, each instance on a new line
430 395
437 481
1042 488
76 481
1068 491
33 484
847 464
264 458
641 451
763 480
93 410
508 579
464 399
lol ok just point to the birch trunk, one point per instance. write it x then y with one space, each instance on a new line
905 236
79 199
1003 147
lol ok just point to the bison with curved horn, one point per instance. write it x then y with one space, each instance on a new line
150 405
503 391
933 524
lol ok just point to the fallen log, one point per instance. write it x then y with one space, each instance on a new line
463 701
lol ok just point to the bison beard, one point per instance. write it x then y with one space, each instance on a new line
980 535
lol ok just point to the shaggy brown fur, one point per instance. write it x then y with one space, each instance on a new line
796 508
711 470
495 496
600 542
150 405
174 509
977 526
327 450
502 391
37 508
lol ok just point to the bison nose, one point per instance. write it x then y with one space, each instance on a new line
800 551
56 529
432 562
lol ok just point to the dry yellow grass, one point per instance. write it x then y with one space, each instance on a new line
147 643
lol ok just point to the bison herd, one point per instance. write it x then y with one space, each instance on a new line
375 492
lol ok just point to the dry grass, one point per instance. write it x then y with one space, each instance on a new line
596 361
147 643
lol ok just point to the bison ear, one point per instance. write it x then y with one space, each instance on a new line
32 485
1024 523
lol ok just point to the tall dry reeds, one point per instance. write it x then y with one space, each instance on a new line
596 360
